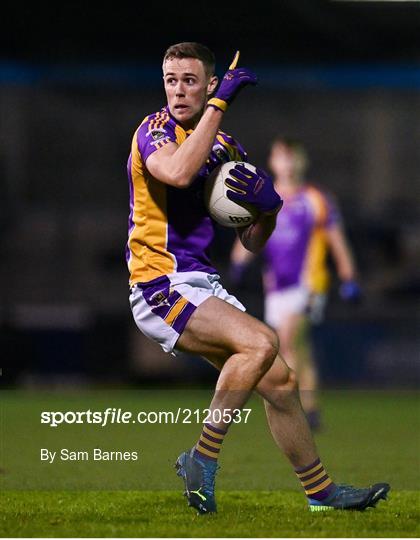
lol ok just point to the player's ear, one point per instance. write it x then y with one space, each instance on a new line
211 87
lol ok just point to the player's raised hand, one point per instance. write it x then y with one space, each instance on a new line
233 81
254 188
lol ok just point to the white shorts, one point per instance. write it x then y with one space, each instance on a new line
161 308
281 304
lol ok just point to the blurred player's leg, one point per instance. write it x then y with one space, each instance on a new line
244 349
296 350
285 416
308 374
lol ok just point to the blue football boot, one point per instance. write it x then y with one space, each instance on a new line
350 498
199 478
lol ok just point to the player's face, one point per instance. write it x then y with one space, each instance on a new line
187 87
282 162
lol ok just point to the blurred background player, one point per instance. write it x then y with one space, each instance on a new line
296 277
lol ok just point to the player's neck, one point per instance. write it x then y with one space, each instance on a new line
192 123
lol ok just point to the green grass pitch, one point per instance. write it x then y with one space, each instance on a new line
368 437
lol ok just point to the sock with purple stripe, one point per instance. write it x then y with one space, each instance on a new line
209 443
315 481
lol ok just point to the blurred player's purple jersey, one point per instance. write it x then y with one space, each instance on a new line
295 253
169 229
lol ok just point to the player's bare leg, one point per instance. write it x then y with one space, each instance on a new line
308 374
246 351
286 418
243 348
248 348
295 349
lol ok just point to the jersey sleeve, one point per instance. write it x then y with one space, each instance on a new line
155 131
324 207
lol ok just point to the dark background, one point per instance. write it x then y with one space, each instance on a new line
75 82
277 31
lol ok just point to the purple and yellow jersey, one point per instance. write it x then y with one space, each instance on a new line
169 229
296 251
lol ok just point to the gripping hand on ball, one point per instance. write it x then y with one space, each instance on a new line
234 80
255 188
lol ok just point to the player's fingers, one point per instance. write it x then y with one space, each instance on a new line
245 73
248 76
240 167
235 60
240 171
234 196
235 186
239 177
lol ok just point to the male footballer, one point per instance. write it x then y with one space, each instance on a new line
296 276
176 295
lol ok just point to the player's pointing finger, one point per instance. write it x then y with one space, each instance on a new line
233 81
235 60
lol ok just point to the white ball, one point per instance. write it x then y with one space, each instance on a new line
222 209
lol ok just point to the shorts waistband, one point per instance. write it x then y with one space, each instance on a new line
176 278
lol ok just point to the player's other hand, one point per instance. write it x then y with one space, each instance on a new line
233 81
350 291
253 188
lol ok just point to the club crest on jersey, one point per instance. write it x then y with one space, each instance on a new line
221 152
157 134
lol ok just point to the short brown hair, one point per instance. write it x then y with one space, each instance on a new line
298 149
191 49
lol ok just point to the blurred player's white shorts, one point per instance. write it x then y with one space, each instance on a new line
162 307
282 304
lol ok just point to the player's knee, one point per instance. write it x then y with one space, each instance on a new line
266 347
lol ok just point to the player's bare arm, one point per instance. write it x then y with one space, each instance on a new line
341 253
178 165
254 236
350 290
240 255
